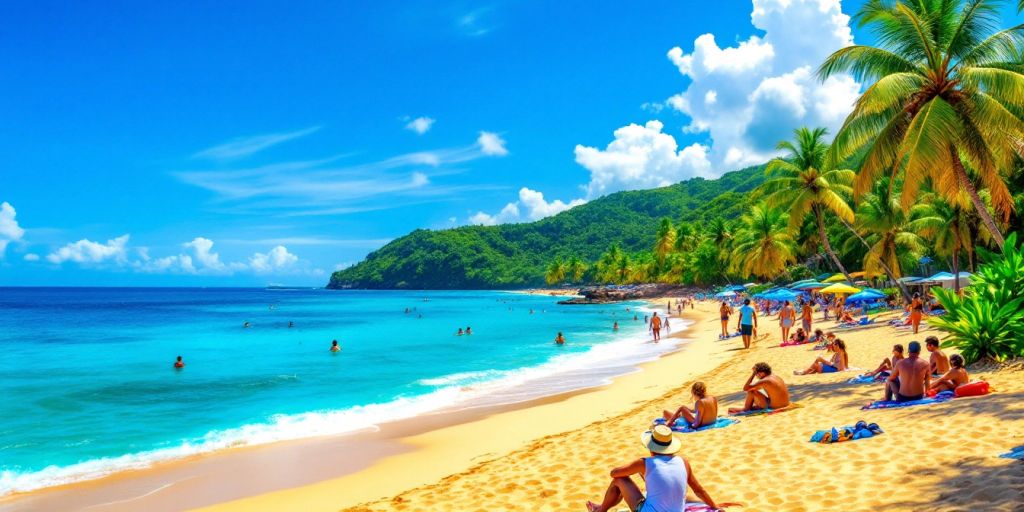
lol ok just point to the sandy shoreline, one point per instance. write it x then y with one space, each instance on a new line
229 474
528 457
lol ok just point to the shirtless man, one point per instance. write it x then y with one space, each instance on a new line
656 326
335 347
938 360
704 412
954 378
910 377
806 314
767 392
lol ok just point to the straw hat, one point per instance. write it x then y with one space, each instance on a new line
661 440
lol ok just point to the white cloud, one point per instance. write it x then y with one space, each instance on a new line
420 125
245 146
202 247
530 206
276 259
10 231
491 144
31 257
641 157
88 252
749 96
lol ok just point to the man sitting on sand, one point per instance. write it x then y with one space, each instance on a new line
954 378
938 360
910 377
767 392
666 475
704 412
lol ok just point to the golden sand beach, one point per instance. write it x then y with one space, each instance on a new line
556 455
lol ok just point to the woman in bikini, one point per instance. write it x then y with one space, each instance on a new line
916 310
839 362
724 312
787 317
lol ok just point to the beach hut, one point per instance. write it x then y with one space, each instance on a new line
839 289
945 280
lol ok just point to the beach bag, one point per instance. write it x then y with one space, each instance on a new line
976 388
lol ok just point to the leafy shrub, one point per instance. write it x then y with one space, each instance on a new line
987 322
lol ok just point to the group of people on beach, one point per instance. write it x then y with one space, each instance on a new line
668 475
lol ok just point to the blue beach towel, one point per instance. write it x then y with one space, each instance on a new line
864 379
684 428
1015 453
945 396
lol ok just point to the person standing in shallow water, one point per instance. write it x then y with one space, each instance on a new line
656 326
335 347
179 364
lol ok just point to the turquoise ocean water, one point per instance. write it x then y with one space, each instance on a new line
88 386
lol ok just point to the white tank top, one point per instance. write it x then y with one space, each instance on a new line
666 484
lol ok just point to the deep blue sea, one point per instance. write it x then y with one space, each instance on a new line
87 385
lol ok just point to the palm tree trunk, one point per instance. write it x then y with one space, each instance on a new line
965 182
885 267
828 247
956 272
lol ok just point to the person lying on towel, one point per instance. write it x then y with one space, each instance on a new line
910 377
704 412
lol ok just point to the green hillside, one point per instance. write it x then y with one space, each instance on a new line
515 255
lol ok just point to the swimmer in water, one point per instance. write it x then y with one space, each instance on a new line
291 324
560 339
246 325
615 326
179 364
635 318
460 332
335 347
469 330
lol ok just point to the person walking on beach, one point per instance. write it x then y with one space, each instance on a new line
806 314
916 310
747 322
724 312
666 475
656 326
910 377
668 328
766 392
787 317
704 412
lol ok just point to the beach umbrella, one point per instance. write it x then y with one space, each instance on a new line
808 286
782 295
819 277
836 278
736 288
866 294
840 289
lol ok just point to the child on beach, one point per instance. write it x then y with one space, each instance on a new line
938 360
886 366
838 363
666 475
704 412
954 378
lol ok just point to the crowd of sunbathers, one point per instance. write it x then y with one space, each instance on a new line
667 475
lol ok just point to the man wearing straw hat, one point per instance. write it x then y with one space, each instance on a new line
666 475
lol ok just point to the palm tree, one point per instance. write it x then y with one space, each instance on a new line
804 184
556 272
665 241
882 225
607 268
947 90
947 225
576 269
763 245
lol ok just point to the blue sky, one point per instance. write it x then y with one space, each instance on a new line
247 143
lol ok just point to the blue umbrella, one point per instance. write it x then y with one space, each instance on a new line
868 294
781 295
812 285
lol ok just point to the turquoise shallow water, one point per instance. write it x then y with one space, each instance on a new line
89 389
